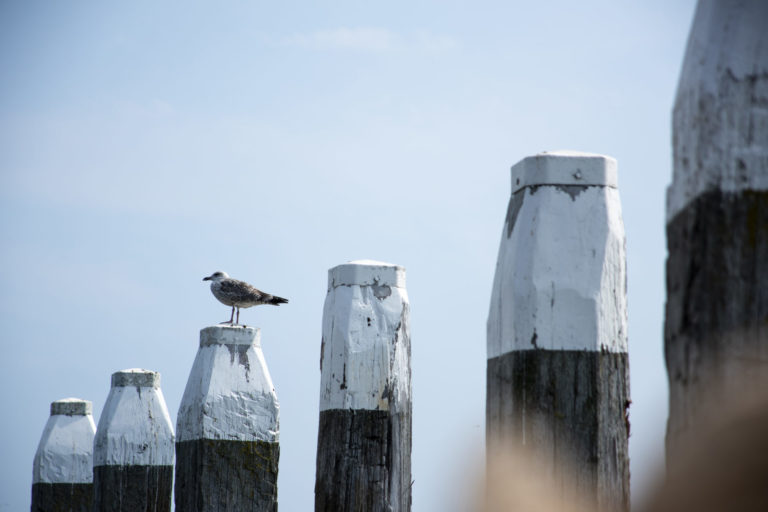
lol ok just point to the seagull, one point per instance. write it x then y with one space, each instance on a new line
239 294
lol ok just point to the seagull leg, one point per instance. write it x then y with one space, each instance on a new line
232 316
238 316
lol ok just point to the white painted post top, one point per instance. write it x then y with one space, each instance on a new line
230 335
229 393
71 407
560 281
564 168
366 273
65 451
136 377
134 427
365 352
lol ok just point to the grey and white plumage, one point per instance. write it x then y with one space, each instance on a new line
239 294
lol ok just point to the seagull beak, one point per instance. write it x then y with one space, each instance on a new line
207 278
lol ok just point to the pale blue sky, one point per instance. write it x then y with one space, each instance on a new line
144 145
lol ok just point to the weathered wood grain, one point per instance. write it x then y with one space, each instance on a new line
132 488
571 408
214 475
62 497
363 461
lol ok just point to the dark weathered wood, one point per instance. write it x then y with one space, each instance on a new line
716 330
61 497
132 488
363 461
716 326
214 475
571 408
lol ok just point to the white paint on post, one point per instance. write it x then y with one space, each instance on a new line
727 46
364 355
65 451
561 259
564 167
135 427
229 394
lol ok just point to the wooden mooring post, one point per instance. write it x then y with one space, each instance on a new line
228 426
716 327
557 375
364 436
62 472
133 449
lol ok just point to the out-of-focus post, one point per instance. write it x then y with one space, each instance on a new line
716 328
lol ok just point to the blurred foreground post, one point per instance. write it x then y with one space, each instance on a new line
63 468
364 436
228 426
716 329
557 376
133 447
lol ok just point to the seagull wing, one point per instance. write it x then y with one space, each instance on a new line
242 292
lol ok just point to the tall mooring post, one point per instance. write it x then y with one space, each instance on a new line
557 375
62 472
133 448
364 436
716 329
228 426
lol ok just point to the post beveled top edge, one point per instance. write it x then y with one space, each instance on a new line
564 168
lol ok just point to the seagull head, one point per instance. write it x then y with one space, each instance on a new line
216 276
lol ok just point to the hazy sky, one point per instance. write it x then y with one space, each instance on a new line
144 145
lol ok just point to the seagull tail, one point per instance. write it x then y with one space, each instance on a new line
276 301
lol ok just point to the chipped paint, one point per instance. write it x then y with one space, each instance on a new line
366 351
229 393
380 292
513 210
564 168
572 190
65 451
560 280
366 273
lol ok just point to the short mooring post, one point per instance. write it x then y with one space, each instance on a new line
557 376
133 447
716 327
364 437
228 426
62 472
